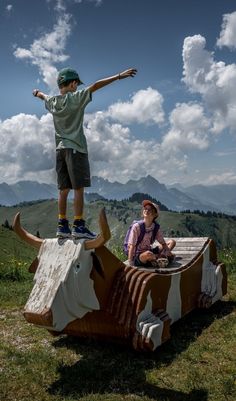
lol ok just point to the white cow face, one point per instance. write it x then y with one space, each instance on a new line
63 283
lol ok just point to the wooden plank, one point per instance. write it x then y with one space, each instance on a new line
190 239
191 243
183 252
182 261
188 248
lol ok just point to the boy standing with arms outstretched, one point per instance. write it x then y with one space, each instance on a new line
72 164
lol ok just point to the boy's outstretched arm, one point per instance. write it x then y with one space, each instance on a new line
131 72
39 94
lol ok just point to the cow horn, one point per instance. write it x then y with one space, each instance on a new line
104 235
24 235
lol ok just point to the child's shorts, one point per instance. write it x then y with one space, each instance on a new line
72 169
137 261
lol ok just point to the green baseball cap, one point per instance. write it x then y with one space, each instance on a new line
67 74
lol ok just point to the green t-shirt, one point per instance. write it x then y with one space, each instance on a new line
68 116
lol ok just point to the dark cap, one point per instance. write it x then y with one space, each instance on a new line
67 74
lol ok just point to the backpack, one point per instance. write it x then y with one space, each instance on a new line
141 235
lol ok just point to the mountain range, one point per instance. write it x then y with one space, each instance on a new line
219 198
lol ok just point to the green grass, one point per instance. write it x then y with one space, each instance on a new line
15 258
196 364
12 248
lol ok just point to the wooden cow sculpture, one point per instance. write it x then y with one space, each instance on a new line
82 289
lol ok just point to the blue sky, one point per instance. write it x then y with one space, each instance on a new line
176 120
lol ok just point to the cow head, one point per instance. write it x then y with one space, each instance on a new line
64 288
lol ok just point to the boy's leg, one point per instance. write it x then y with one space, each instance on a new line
63 229
64 185
62 202
78 203
79 173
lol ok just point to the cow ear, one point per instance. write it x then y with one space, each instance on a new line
97 265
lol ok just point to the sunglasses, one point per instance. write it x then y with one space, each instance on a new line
149 209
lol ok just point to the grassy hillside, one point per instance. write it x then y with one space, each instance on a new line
42 217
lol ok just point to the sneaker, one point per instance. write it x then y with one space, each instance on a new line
160 263
63 229
80 231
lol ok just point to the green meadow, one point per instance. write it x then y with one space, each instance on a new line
198 363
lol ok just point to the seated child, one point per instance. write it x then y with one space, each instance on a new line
142 253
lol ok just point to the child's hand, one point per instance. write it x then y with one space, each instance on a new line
39 94
35 92
131 72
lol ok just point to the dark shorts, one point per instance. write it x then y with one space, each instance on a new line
137 261
72 169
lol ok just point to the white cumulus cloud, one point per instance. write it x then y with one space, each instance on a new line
145 106
28 150
228 33
116 154
27 147
188 129
48 50
214 81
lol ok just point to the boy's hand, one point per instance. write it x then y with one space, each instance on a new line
35 92
39 94
131 72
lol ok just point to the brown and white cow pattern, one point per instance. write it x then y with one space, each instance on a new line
150 326
62 282
134 305
212 277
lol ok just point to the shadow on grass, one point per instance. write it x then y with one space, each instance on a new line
116 369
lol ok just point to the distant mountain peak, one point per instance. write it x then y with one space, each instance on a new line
214 198
151 179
